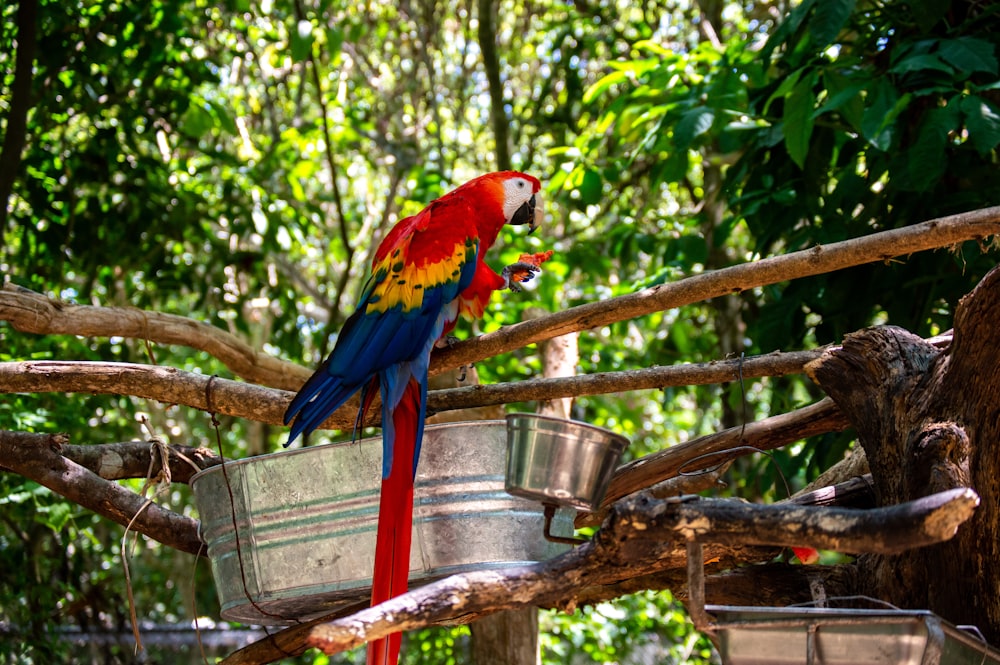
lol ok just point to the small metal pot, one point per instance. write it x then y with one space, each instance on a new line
558 461
304 538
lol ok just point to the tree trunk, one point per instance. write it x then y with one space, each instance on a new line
506 638
929 420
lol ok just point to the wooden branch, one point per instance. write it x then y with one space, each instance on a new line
936 233
36 457
687 374
640 533
31 312
233 398
131 459
163 384
857 492
767 434
277 646
764 585
28 311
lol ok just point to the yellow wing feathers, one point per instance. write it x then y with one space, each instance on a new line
403 281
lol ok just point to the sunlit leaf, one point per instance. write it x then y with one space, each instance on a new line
983 122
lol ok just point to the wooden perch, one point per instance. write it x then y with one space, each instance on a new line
37 457
31 312
640 534
882 246
242 400
132 459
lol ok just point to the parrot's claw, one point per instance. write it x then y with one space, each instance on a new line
520 271
446 342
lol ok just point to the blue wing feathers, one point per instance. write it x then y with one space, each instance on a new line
391 344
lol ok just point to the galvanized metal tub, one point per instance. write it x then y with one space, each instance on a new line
835 636
559 461
306 520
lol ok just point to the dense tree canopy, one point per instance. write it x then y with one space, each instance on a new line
235 162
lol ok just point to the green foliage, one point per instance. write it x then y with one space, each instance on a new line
646 627
233 162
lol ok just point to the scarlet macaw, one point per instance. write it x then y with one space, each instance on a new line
427 271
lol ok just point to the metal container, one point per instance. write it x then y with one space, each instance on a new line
306 519
560 461
834 636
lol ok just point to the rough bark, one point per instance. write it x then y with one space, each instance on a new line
506 638
43 464
643 536
714 449
929 419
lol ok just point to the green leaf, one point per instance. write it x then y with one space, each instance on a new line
885 105
843 96
223 119
54 515
927 159
829 19
798 120
196 120
918 62
693 123
970 55
786 86
671 169
590 188
334 42
603 84
301 40
982 120
928 12
782 34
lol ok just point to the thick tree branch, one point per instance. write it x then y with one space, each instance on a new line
37 458
714 449
602 383
927 419
639 534
32 312
133 459
266 405
936 233
164 384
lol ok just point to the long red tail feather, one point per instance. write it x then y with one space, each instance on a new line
395 521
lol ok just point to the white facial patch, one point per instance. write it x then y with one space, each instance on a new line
516 192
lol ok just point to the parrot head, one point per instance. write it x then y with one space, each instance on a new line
522 202
504 197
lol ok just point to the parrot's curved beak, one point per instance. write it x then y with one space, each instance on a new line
530 213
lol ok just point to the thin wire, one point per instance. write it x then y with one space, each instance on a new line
873 601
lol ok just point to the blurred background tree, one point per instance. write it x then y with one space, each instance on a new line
235 162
